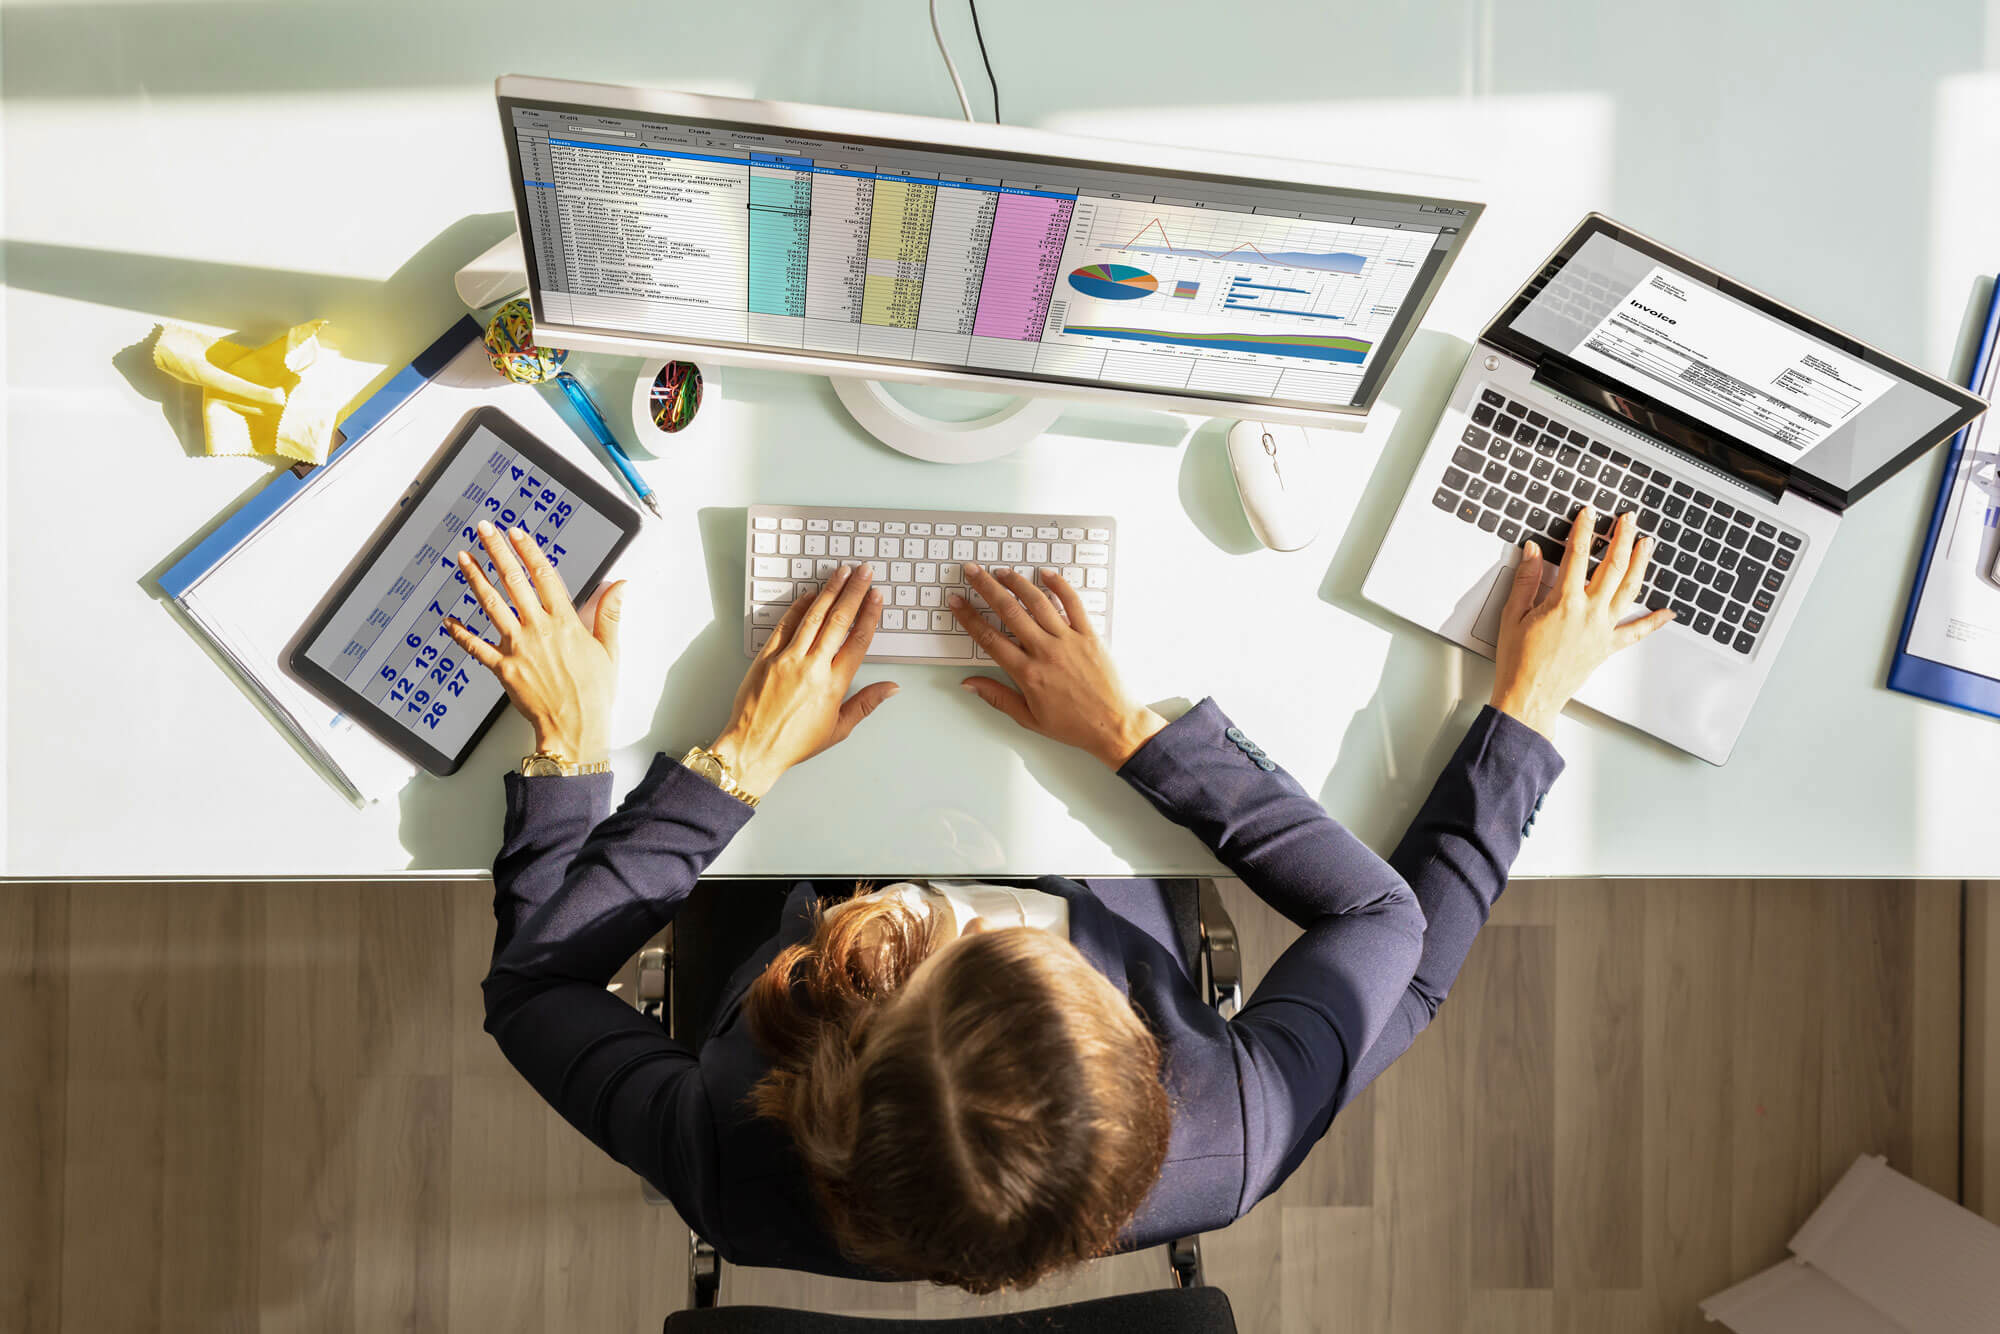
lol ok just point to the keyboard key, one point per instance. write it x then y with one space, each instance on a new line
763 544
1496 472
1744 643
1782 560
1097 535
1517 509
1518 409
767 616
1611 477
1761 601
1641 467
1682 611
1726 511
1703 623
1722 634
1474 489
765 521
1753 622
815 544
1537 419
1493 398
1708 600
1488 520
1683 490
789 543
1588 467
1727 560
888 643
770 567
1789 540
1093 553
1537 492
1072 534
1465 458
1548 444
1482 415
1765 529
1504 428
1599 448
1673 507
1704 572
1653 497
770 592
818 525
792 525
1758 549
1669 530
1774 581
1748 574
1710 548
1632 486
1620 459
1539 520
1684 563
1542 469
1732 612
1510 533
1603 502
1716 525
898 529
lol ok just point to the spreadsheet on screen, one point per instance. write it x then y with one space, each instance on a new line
1041 270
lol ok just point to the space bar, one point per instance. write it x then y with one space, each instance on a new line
902 644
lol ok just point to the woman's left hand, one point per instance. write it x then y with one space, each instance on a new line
559 673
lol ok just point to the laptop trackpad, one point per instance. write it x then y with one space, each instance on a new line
1486 629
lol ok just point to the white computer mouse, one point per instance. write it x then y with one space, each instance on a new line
1274 467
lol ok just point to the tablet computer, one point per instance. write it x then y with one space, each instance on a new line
376 646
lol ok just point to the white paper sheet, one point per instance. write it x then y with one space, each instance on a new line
1958 614
258 598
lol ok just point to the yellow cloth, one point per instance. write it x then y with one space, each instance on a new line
281 398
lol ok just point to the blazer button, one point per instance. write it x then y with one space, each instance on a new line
1234 735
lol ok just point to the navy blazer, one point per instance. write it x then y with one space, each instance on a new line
577 892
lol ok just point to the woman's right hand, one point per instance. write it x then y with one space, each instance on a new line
1550 645
793 703
1069 690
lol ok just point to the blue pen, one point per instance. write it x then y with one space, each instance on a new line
595 421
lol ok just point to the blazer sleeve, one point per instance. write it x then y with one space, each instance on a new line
1325 1000
1456 856
576 894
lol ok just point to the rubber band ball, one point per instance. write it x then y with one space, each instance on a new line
510 342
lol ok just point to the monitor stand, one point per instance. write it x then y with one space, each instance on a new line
910 432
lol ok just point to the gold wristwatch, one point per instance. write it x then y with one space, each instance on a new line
706 764
546 764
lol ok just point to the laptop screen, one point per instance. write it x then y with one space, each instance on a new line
1688 348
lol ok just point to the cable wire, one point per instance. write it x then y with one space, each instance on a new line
957 84
991 82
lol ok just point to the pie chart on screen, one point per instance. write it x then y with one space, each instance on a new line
1113 282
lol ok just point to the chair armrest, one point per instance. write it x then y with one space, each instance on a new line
1221 961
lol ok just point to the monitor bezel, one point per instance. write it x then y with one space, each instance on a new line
921 132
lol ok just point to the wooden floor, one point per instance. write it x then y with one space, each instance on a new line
270 1107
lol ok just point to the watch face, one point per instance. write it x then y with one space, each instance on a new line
539 766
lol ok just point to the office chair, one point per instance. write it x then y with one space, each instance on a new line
732 919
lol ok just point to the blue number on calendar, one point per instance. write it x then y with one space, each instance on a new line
441 670
507 518
452 565
542 541
517 472
412 640
556 553
418 700
435 716
492 502
458 682
388 673
401 691
435 609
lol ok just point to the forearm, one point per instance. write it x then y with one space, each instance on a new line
621 886
1459 849
547 820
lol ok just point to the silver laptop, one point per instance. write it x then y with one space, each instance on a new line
1630 377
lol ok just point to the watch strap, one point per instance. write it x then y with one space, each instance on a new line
706 765
539 764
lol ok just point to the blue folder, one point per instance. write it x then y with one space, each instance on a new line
1925 677
206 554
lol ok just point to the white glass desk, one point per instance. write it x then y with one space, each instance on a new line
130 753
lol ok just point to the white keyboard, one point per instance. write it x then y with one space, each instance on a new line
918 558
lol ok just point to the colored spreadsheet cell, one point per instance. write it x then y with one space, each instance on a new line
1021 264
780 239
899 237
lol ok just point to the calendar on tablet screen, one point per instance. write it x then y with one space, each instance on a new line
386 641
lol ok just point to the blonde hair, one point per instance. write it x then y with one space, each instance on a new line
1002 1121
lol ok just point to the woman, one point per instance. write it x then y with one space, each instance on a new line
979 1085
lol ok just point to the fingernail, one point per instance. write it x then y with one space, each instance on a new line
517 531
970 568
957 601
968 686
1048 570
485 527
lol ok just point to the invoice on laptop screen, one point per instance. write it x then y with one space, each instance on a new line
1043 269
1795 391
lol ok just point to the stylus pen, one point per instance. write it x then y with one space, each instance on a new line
580 398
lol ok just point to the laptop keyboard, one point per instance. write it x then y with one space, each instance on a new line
1518 473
